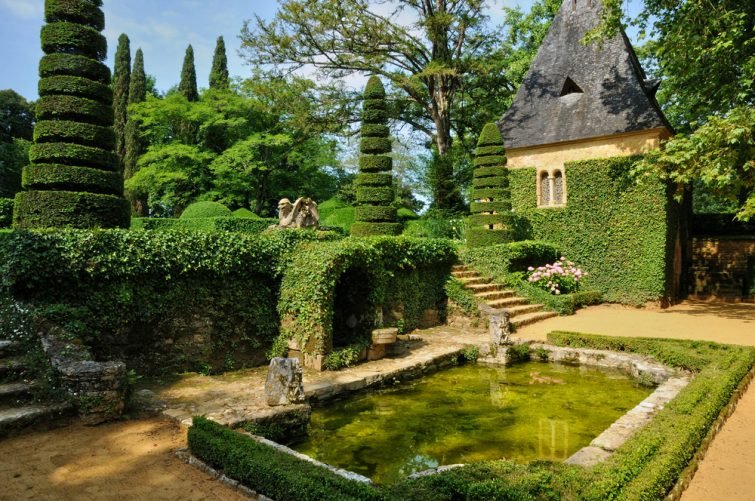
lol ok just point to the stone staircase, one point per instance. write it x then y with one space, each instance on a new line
18 410
496 296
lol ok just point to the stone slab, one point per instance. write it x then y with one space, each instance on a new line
588 456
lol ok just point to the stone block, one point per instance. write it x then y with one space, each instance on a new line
284 382
376 352
384 336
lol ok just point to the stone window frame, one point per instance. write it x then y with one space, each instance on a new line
550 174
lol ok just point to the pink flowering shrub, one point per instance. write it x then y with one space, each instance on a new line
561 277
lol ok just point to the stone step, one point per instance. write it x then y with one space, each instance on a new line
531 318
12 366
524 309
467 281
459 267
16 419
13 393
463 274
484 287
494 295
507 302
8 347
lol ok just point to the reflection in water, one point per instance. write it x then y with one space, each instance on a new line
472 413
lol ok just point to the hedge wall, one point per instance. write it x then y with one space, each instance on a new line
374 185
174 300
73 179
402 277
620 232
649 465
235 224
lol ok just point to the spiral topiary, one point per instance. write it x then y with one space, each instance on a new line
73 179
374 184
490 222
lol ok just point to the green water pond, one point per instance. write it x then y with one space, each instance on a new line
528 411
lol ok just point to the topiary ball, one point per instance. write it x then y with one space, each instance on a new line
206 209
245 213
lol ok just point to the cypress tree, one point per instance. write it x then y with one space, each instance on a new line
219 73
73 179
374 184
188 85
135 144
491 219
121 83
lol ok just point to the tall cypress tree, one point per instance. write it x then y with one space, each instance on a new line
188 85
219 73
491 219
121 83
375 192
135 144
73 179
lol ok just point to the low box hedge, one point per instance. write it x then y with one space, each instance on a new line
501 260
73 64
231 224
272 473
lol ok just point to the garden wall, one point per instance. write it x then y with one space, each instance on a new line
722 267
622 233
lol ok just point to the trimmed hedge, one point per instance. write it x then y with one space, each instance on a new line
374 179
79 109
72 178
84 12
73 64
272 473
375 130
392 273
375 195
500 260
491 220
76 86
375 145
375 163
232 224
379 213
374 104
374 116
73 38
72 154
205 209
371 229
66 131
374 89
6 212
245 213
68 209
342 218
625 240
158 288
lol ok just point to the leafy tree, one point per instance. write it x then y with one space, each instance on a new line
73 179
121 84
720 155
135 144
16 117
443 51
14 156
219 72
188 86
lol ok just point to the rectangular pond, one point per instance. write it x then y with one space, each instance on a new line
527 411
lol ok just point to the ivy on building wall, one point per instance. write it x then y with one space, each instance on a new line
619 231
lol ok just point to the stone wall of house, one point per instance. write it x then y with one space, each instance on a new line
722 268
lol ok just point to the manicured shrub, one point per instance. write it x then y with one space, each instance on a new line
491 220
374 185
73 135
342 218
6 212
403 214
205 209
245 213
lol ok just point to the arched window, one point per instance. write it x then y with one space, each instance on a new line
545 189
558 188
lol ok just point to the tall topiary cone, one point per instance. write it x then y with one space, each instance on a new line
490 222
73 179
374 184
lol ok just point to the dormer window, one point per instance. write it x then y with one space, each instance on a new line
570 88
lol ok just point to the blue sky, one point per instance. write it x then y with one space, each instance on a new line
162 28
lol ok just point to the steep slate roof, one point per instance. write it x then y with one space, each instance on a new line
615 96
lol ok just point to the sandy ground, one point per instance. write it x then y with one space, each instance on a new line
727 473
125 460
136 460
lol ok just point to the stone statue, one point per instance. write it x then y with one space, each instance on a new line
301 214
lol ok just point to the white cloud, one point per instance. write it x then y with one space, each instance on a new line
25 9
